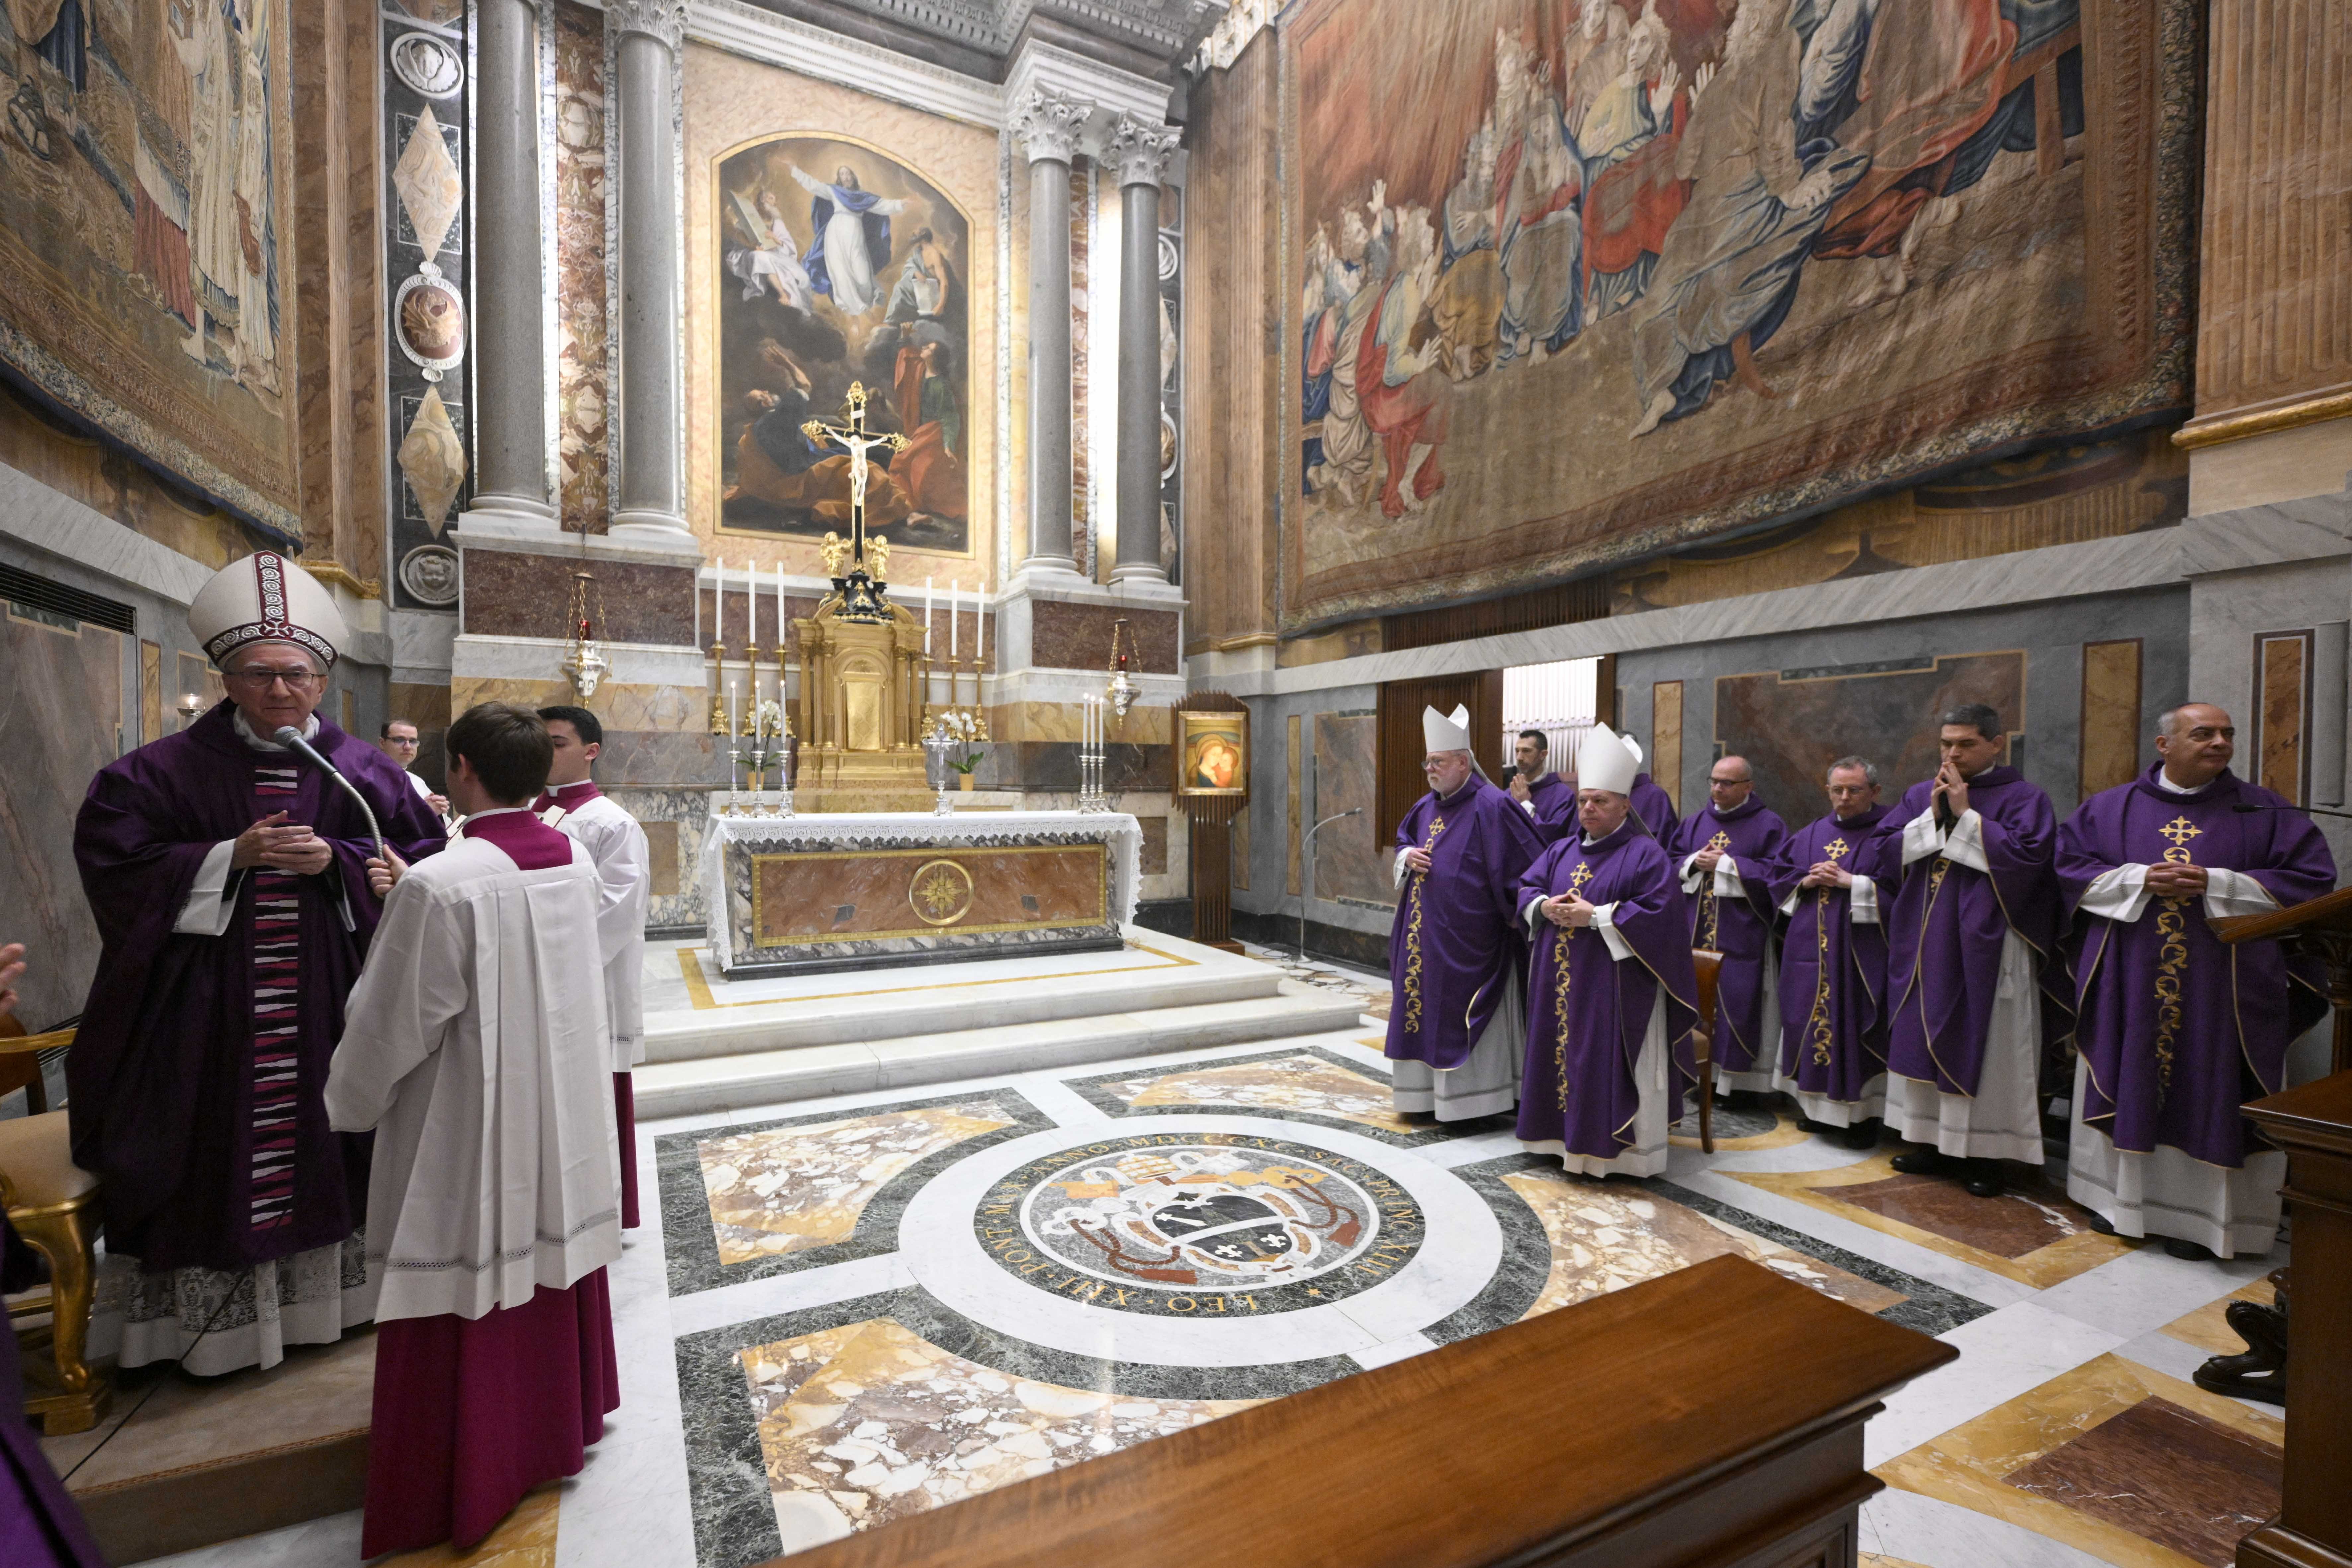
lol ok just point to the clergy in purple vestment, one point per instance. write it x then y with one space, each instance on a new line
1456 953
2178 1031
1653 808
1548 799
39 1525
1833 984
1614 990
1977 983
228 880
1723 854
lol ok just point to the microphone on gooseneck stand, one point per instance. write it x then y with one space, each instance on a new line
2310 810
292 739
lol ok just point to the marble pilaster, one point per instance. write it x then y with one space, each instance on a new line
1141 150
647 35
511 351
1048 124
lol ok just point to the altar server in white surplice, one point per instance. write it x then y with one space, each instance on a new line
623 867
475 1047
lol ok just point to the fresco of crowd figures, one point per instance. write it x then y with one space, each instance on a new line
1579 279
146 245
840 265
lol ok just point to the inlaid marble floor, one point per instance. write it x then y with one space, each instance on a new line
844 1312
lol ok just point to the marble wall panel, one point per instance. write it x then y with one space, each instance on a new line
584 389
1665 738
150 691
2111 734
1349 861
1054 765
663 871
1295 829
1064 635
1791 724
1143 726
674 821
2282 708
61 719
1239 830
508 594
1154 860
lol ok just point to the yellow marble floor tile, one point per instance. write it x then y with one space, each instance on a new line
788 1189
2208 1328
524 1539
1302 1083
1603 1240
1979 1464
868 1423
1784 1133
1877 1560
2077 1249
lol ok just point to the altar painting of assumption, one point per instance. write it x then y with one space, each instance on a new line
146 237
1576 279
838 263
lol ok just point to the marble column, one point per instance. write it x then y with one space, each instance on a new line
510 468
643 127
1047 125
1141 152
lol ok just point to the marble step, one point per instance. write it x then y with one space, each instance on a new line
773 1076
882 1005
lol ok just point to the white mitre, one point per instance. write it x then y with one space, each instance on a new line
1606 761
265 598
1440 733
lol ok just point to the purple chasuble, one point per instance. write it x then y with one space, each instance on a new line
1742 929
1457 942
39 1525
2178 1031
1833 970
1944 922
1653 808
197 1076
1587 1010
1554 799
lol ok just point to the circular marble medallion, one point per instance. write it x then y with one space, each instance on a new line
428 65
1200 1240
1180 1224
430 322
429 573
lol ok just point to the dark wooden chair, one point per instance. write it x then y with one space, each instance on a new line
1709 965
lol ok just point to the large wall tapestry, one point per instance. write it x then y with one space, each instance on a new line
1791 724
1581 279
146 233
839 264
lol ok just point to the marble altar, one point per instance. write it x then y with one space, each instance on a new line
837 891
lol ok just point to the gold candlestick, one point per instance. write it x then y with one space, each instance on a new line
718 690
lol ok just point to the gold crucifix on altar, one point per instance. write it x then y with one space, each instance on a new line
866 561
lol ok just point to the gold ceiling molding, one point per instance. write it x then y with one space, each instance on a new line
2239 426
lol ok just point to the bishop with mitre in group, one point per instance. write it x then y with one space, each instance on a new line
228 878
2176 1031
1456 951
1613 989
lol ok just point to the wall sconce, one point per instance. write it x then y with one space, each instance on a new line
1122 690
191 708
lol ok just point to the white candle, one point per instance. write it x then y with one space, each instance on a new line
734 700
979 636
954 631
780 622
927 615
719 606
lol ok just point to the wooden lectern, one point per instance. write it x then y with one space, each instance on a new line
2313 1341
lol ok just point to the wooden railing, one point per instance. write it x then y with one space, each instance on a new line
1713 1417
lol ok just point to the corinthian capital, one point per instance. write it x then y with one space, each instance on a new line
1141 150
662 19
1049 124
